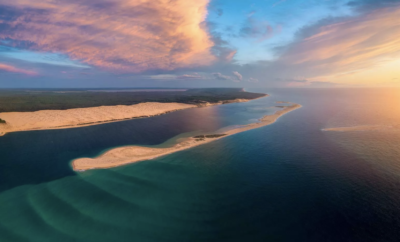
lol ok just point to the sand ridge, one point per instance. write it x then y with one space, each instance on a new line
78 117
130 154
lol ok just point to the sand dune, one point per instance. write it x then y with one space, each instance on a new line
79 117
125 155
61 119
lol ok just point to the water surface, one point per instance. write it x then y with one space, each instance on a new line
288 181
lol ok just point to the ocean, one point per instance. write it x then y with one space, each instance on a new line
289 181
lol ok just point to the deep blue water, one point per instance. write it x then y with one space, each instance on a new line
288 181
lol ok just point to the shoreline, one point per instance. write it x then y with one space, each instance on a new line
131 154
83 117
79 125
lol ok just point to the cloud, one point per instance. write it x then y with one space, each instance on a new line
259 30
349 45
167 77
221 49
162 77
9 68
170 40
236 78
367 5
124 35
238 75
326 52
219 76
189 77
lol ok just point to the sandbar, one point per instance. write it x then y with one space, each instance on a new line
130 154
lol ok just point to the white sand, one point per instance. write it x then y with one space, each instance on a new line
61 119
125 155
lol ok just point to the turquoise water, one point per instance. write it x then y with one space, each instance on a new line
288 181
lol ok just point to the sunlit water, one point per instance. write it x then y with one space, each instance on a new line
288 181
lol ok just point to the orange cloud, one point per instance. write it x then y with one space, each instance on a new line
128 35
8 68
364 42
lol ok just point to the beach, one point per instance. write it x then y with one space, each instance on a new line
78 117
130 154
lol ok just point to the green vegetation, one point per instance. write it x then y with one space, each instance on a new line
209 136
61 99
2 121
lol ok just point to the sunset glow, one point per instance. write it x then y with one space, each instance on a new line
200 120
329 43
8 68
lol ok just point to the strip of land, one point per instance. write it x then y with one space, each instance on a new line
25 110
31 100
80 117
130 154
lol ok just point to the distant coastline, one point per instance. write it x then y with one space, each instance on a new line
81 117
27 100
130 154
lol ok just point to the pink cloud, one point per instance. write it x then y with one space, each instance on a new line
125 35
238 75
8 68
362 42
189 77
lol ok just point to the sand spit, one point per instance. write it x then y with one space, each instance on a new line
130 154
359 128
78 117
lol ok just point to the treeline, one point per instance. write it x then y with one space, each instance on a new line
208 136
35 100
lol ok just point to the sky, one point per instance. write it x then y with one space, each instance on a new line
199 43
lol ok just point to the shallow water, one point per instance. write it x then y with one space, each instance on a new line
288 181
40 156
